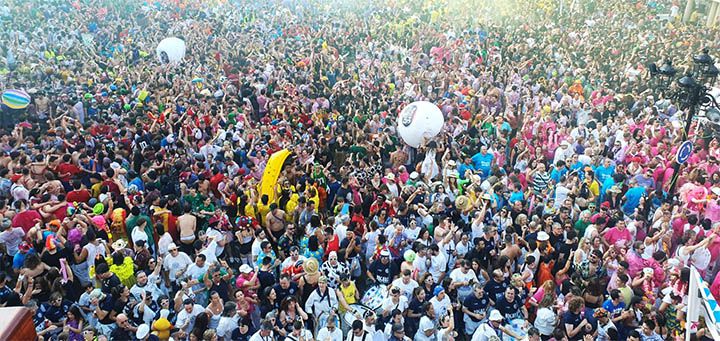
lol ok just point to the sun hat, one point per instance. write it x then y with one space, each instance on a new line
495 315
543 236
311 266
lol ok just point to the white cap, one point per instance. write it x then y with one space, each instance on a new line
385 253
142 331
543 236
172 246
414 175
495 315
715 190
246 269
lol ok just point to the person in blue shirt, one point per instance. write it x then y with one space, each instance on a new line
576 165
608 184
136 180
614 306
558 172
602 172
632 197
19 259
482 162
465 166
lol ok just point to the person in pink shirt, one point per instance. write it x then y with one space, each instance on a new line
618 233
712 209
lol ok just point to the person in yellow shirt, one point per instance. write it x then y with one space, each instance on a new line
591 185
349 291
263 207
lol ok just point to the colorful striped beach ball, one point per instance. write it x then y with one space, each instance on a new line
16 99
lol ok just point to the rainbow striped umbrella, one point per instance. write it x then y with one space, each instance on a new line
15 99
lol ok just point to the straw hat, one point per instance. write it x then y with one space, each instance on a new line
311 266
462 203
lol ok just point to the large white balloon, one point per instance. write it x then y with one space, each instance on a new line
419 121
171 50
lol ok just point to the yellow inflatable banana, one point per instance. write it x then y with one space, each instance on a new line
271 174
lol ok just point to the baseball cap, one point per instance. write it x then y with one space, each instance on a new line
438 289
246 269
543 236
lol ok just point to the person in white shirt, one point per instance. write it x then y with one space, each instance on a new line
138 234
358 333
194 276
299 333
395 301
265 333
176 263
330 332
228 321
147 283
406 284
321 300
463 278
11 237
489 331
441 302
420 263
546 318
186 316
438 263
427 329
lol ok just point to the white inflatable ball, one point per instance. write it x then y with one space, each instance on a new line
419 121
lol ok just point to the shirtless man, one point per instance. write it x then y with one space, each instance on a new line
187 223
276 222
511 249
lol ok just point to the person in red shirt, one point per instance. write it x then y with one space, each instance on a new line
358 219
332 240
78 194
25 218
215 180
111 183
66 170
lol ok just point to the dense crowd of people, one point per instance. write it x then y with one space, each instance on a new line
132 196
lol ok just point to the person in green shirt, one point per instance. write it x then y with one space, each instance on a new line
204 211
583 222
193 198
